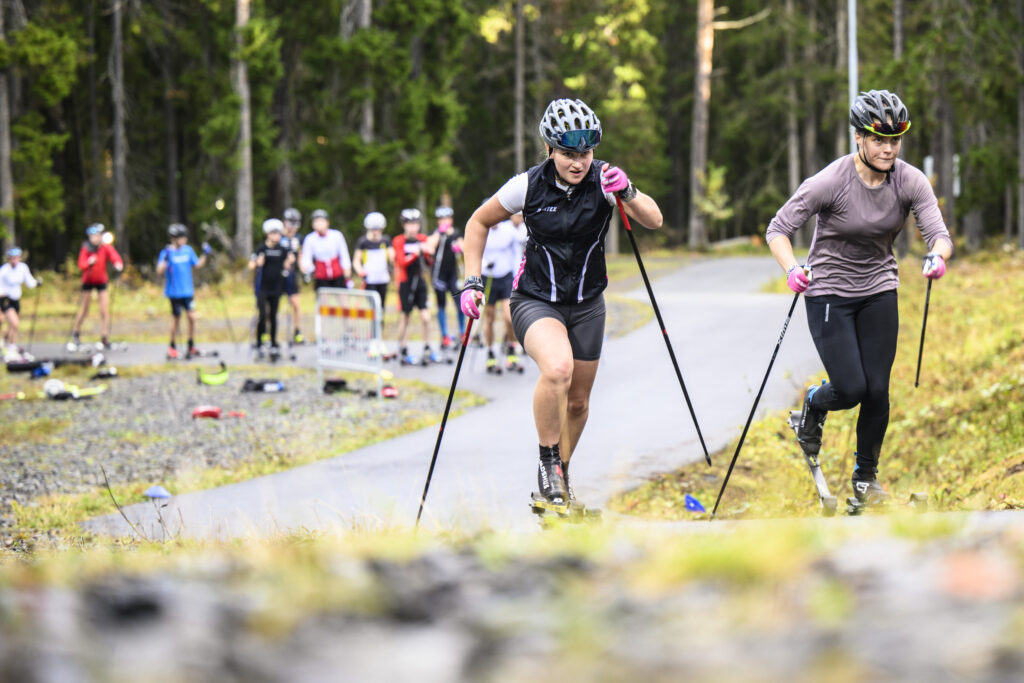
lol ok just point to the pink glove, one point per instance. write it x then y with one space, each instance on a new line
457 248
471 301
934 266
613 179
798 280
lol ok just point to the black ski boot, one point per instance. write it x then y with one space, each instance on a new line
808 431
867 492
551 480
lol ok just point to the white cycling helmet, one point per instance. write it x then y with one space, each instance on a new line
570 125
375 221
272 225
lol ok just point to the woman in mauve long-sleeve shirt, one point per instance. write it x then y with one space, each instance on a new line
861 202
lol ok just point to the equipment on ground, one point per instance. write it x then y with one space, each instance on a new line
213 379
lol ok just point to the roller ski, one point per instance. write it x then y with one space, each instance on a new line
554 501
829 503
493 367
512 364
193 352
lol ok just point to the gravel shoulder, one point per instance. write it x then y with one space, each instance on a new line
140 432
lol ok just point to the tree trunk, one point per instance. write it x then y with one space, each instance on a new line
903 238
842 132
120 141
947 150
170 123
243 183
96 144
1020 126
1008 215
6 176
519 98
698 236
792 132
366 126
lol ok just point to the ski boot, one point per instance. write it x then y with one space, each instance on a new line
172 353
259 352
275 353
492 365
408 358
298 339
808 430
829 503
867 492
447 343
553 496
73 345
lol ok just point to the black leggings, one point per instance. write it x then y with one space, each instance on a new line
267 304
856 340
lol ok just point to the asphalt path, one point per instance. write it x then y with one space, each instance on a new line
723 331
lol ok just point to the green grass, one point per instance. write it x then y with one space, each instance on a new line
960 436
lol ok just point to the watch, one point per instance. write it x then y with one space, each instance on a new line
628 194
473 282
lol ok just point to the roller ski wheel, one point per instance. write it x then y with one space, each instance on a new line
512 365
492 367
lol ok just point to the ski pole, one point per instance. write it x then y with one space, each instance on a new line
753 408
32 324
924 324
444 418
661 324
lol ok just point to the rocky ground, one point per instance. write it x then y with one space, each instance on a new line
933 599
141 430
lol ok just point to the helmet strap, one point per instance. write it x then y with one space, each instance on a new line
864 160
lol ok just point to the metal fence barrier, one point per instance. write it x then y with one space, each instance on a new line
348 332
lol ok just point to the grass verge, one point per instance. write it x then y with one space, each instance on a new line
959 436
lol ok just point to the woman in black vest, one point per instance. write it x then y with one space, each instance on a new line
557 300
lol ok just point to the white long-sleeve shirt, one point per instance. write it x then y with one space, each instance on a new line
12 278
326 257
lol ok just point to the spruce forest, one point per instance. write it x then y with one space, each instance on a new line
220 113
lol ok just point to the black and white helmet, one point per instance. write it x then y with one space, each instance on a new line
375 221
444 212
570 125
879 112
292 215
410 216
176 230
272 225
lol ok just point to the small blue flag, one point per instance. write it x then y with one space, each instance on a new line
693 504
158 491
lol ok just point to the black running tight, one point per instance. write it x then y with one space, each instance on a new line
267 304
856 340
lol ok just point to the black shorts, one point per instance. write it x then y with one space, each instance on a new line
583 321
7 304
443 288
179 304
98 286
412 294
382 290
338 282
501 288
291 283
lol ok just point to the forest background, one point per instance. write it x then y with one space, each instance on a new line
220 113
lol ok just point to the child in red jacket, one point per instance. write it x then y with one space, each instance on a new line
92 260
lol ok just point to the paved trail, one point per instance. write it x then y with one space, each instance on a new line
723 332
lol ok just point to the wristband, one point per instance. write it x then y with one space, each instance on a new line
628 194
473 282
